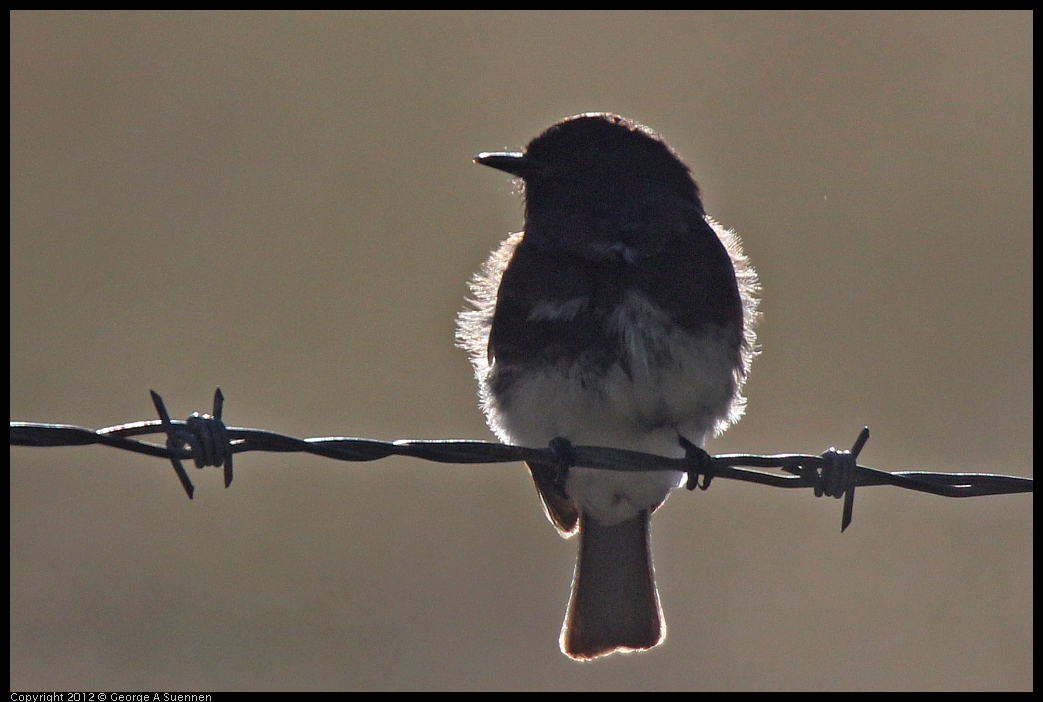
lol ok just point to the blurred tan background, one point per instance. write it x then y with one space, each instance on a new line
285 205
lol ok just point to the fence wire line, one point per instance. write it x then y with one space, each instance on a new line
205 439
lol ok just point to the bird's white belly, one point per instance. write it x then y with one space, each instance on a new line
647 409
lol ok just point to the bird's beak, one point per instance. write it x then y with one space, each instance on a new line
513 162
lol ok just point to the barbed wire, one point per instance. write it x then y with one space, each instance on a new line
205 439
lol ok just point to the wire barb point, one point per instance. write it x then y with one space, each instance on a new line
174 443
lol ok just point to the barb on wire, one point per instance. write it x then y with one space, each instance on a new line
204 436
205 439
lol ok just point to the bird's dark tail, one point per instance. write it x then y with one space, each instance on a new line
614 605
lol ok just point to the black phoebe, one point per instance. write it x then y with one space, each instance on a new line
621 317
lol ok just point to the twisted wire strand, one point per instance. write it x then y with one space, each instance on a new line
206 440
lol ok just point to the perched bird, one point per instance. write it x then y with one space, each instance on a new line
621 317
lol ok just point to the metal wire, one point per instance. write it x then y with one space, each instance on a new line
205 439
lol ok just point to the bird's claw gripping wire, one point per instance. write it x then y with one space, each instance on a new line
204 435
699 463
564 458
